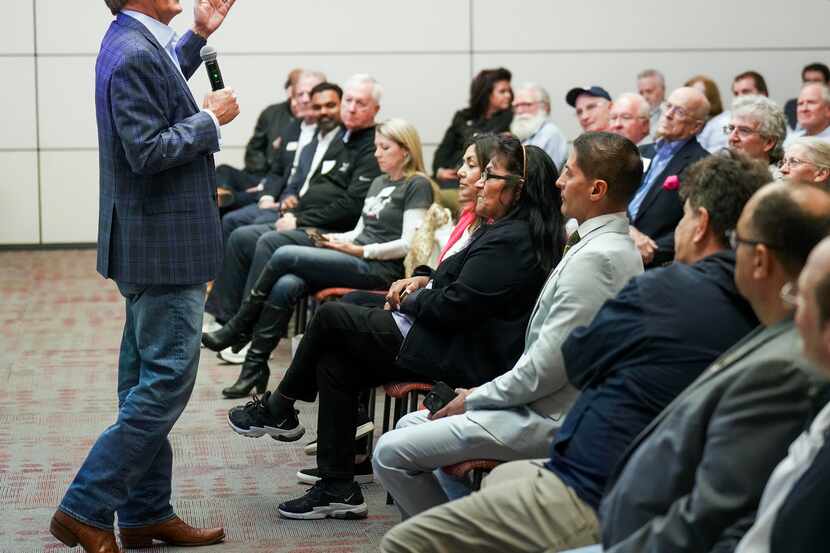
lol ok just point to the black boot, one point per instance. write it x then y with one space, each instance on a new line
271 326
237 331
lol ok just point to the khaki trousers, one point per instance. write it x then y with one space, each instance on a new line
522 507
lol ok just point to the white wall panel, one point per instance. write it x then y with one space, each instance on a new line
67 102
69 199
18 126
617 73
18 185
70 26
18 31
649 24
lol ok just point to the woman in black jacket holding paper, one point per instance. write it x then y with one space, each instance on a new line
462 324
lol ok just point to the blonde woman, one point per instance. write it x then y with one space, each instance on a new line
807 159
370 256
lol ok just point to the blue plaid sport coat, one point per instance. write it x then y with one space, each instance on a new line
158 221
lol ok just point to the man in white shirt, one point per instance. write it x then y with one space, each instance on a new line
787 496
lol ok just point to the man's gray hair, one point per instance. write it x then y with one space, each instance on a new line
825 90
116 6
361 78
652 73
319 75
771 119
539 91
643 109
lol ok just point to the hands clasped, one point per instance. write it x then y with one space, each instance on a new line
403 287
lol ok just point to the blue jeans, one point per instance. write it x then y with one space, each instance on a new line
129 468
299 269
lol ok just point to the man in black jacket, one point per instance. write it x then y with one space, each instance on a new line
640 351
330 198
656 208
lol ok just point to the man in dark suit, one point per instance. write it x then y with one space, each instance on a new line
640 351
691 478
159 239
241 187
656 208
793 513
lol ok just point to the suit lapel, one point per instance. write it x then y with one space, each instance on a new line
131 23
673 168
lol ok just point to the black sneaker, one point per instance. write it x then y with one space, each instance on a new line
362 473
319 502
254 420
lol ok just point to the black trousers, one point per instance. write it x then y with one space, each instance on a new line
346 349
239 181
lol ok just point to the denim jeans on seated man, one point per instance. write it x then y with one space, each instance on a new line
128 470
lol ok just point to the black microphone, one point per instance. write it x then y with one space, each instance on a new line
208 54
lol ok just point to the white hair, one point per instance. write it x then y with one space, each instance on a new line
652 73
643 109
362 78
538 90
825 90
817 150
770 116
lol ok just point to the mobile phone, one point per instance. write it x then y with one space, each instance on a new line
437 398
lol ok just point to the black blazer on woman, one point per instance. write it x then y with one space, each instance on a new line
469 328
462 129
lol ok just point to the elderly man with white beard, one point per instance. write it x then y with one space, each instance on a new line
532 125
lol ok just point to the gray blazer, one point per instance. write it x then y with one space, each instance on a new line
689 478
537 387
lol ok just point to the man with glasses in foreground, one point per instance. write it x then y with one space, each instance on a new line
656 207
708 455
758 129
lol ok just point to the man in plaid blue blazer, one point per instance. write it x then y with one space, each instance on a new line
159 239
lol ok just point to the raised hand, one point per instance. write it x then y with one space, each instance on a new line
208 15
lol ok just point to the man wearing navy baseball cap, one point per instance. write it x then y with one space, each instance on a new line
593 105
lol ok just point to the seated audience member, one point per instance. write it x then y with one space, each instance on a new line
749 83
339 173
812 73
656 208
793 512
369 256
515 415
242 187
758 129
807 160
489 111
629 117
708 455
532 125
711 136
463 324
641 350
813 112
592 105
297 134
651 84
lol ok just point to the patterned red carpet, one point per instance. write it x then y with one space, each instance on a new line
60 326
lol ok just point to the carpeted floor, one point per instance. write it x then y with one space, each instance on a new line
60 326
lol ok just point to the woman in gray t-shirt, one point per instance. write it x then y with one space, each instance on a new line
370 256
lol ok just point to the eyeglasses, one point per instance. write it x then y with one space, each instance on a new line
736 240
679 112
743 132
794 162
487 175
625 117
789 294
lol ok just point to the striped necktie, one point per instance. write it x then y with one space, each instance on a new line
572 241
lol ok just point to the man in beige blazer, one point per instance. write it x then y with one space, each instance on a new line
515 415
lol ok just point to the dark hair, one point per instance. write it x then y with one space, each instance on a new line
757 78
612 158
823 299
711 92
791 225
722 184
115 6
485 145
539 201
322 87
481 88
820 67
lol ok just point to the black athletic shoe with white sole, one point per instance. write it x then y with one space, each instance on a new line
254 420
362 473
322 502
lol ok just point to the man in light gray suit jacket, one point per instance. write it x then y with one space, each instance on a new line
515 415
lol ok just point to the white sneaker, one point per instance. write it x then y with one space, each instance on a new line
228 356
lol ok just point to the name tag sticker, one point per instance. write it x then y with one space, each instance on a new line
328 165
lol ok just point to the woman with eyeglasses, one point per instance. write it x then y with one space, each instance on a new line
489 111
807 159
462 324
